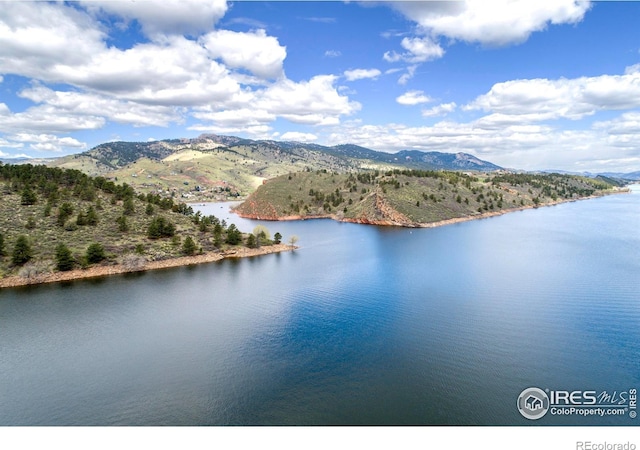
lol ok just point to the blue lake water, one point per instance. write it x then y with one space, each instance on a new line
361 325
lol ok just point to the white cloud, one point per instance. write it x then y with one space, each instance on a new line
236 117
298 137
36 37
48 120
48 142
439 110
125 112
177 72
419 50
254 51
313 102
360 74
529 147
332 53
623 135
496 22
40 41
543 99
228 80
405 77
413 98
255 131
171 17
5 143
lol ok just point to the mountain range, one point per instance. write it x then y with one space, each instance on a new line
224 166
232 166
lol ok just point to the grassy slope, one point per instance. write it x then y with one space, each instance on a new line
404 198
47 234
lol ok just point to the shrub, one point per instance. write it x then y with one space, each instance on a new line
133 262
32 270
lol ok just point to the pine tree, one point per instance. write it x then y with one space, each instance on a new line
123 226
128 207
251 241
92 216
22 251
64 212
234 236
95 253
189 247
64 259
28 196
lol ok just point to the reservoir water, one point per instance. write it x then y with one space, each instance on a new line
360 325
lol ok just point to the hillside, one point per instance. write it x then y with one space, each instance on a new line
409 197
213 167
60 219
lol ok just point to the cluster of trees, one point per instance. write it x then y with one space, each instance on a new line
554 185
22 253
74 200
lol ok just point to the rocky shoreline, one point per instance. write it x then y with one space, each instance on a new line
101 271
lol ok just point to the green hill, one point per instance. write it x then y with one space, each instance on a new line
410 197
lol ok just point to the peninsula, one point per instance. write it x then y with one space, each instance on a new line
414 198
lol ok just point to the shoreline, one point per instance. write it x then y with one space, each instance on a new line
118 269
439 223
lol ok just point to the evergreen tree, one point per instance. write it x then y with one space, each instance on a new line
81 220
123 226
160 227
217 240
64 259
150 210
189 247
22 251
234 236
92 216
128 206
3 251
64 212
95 253
28 196
251 241
277 238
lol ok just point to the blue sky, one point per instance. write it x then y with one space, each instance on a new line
525 84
